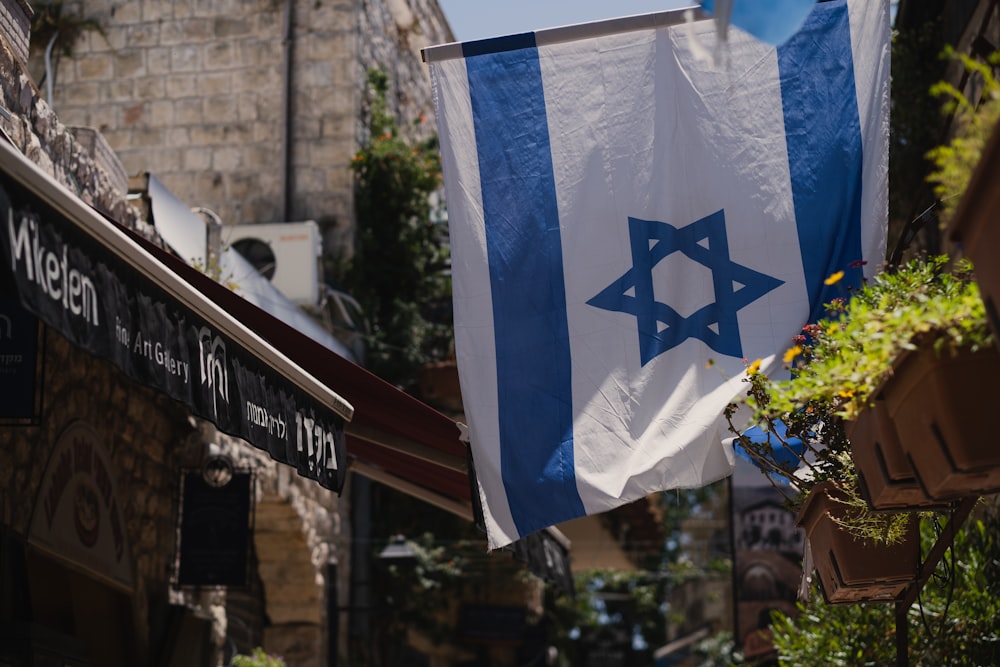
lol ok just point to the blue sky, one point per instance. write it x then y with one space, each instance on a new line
478 19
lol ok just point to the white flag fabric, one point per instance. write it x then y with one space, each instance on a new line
630 225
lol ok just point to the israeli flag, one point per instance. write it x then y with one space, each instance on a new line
631 226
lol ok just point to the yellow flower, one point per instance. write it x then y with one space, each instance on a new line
846 393
834 278
831 330
791 353
753 368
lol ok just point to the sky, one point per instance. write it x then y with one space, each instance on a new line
479 19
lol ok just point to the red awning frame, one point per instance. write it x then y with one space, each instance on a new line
392 435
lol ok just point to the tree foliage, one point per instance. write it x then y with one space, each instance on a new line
955 161
632 601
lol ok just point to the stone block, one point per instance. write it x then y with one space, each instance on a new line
146 88
119 90
215 83
208 135
153 12
99 66
188 112
188 31
79 95
185 59
128 11
130 64
221 55
148 137
117 38
158 61
181 85
160 113
228 27
226 159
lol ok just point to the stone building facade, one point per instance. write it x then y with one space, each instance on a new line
221 157
60 602
251 108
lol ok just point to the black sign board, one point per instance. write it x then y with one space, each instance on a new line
87 292
546 558
20 394
215 531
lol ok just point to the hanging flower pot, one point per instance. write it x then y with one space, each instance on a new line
853 569
885 475
943 408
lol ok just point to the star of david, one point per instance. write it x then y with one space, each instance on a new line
703 241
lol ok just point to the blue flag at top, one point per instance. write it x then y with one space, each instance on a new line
772 21
630 225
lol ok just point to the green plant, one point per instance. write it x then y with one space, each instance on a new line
629 600
422 592
57 32
840 362
955 161
51 24
257 658
954 622
399 272
846 356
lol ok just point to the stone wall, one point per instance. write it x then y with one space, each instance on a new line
196 92
192 92
36 131
146 436
149 437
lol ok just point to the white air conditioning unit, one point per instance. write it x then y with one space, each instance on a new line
286 253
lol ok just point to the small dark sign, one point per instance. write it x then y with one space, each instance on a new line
215 531
20 397
488 624
608 646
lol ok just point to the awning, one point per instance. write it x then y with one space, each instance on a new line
393 438
250 373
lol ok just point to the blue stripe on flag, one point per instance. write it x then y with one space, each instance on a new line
529 298
821 106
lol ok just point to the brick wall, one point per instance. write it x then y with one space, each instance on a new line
15 18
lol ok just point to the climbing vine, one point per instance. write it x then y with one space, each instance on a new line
399 272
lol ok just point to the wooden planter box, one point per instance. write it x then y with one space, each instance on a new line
975 227
944 410
885 474
853 570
